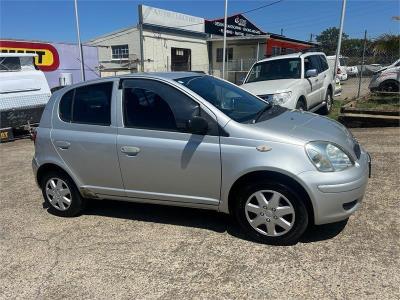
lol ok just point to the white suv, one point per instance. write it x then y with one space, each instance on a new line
302 80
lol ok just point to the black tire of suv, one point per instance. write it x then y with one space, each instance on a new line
301 214
326 109
301 105
389 86
78 203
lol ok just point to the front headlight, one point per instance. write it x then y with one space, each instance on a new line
281 98
328 157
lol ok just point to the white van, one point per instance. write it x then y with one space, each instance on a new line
341 68
24 92
301 80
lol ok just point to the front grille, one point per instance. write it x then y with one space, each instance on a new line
357 150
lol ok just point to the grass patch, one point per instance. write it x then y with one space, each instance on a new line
379 102
334 114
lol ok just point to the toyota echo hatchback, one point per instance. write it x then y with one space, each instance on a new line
190 139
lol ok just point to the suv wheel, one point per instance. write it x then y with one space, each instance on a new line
326 109
301 105
389 86
271 213
61 195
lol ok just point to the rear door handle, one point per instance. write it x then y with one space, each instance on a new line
62 144
130 151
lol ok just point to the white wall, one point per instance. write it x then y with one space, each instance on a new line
157 47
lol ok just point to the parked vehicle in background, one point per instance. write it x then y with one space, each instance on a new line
301 80
341 70
24 92
386 79
189 139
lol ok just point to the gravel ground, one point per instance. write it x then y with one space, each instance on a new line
126 250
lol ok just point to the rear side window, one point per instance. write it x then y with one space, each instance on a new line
88 105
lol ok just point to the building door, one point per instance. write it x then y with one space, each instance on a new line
181 59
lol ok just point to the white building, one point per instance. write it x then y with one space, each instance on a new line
171 42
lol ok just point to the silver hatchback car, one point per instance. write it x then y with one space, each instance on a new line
190 139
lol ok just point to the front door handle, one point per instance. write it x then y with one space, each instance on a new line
130 151
62 144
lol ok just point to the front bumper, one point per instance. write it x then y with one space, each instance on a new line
337 195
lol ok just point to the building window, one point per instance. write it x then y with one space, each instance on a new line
229 54
276 51
120 52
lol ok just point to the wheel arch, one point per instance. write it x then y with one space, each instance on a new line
276 177
51 167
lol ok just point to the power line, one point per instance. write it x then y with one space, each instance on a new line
261 7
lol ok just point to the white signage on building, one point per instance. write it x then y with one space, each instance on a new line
167 18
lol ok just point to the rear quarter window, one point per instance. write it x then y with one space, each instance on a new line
89 104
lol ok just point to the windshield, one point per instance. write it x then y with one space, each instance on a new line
236 103
288 68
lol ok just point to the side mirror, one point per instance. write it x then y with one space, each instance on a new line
311 73
198 125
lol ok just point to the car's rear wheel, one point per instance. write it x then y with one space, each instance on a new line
271 213
325 110
61 195
389 86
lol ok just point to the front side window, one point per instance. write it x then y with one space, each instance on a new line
152 105
89 104
288 68
236 103
312 62
324 63
120 52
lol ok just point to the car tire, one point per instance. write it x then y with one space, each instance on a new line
61 195
389 86
326 109
301 104
286 216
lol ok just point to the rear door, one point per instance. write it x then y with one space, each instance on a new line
159 159
84 135
326 76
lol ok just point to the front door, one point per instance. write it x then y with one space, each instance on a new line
158 158
315 83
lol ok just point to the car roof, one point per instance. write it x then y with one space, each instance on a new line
165 75
292 55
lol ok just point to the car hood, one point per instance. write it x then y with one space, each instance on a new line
305 127
269 86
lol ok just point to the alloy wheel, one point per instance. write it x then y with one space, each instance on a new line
58 194
270 213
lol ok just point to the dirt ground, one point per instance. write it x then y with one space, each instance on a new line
136 251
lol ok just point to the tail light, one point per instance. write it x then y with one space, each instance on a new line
338 71
33 135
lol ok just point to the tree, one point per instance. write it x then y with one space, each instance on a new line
387 45
328 40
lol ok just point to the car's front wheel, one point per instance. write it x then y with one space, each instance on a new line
61 195
271 213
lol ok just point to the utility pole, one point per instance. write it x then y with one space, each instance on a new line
362 63
339 45
141 37
79 40
311 36
282 31
224 53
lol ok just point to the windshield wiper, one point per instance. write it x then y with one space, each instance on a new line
262 111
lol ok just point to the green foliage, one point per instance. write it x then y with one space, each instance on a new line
387 45
328 40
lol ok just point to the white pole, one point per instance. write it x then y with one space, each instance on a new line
79 40
339 45
224 50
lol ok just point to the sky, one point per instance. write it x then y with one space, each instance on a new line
54 20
